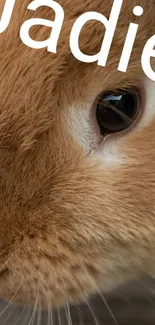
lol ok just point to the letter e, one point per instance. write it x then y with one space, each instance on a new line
148 52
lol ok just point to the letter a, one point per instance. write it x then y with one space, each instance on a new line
51 42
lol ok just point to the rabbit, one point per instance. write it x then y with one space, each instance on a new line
77 160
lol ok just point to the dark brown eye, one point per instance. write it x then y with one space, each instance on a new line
117 111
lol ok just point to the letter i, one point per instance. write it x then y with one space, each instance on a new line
129 42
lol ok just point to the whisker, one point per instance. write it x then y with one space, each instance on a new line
6 263
92 313
39 314
9 315
68 313
11 300
49 307
4 250
108 308
79 315
59 316
105 302
35 305
50 312
28 314
52 316
22 313
87 302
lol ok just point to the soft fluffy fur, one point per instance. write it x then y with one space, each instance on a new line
76 216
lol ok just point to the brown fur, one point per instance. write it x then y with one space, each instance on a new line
68 224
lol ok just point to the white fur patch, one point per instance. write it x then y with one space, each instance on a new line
149 109
82 127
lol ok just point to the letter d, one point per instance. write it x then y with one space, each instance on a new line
110 26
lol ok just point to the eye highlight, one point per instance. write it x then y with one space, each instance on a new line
117 111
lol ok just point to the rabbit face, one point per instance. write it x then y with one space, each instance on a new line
77 208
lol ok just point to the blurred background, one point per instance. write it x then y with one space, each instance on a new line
133 304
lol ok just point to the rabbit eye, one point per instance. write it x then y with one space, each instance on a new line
117 111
